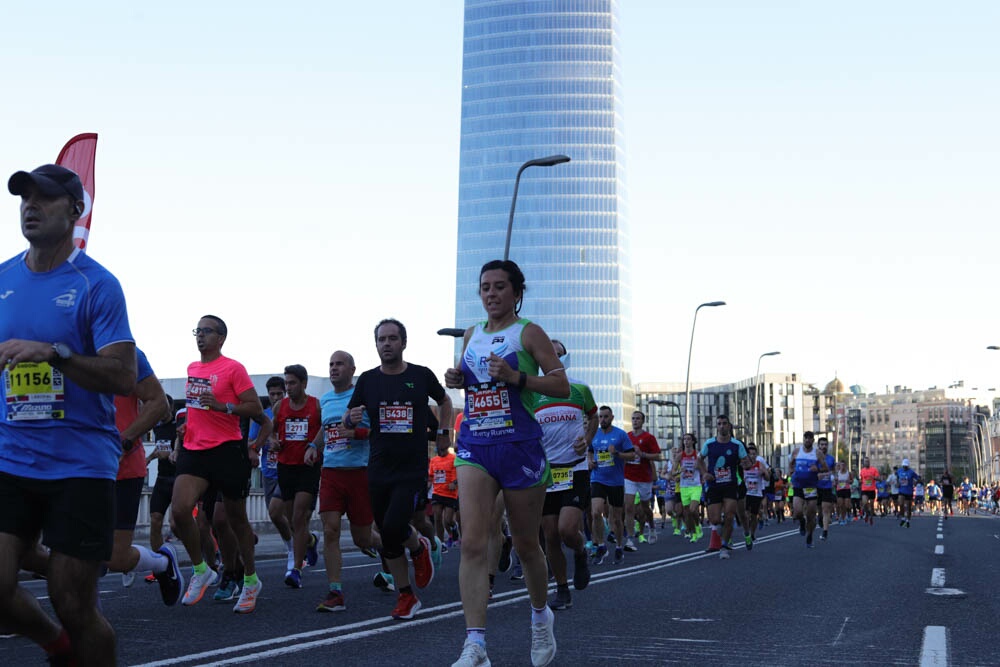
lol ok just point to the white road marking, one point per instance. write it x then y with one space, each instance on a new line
938 550
945 592
937 577
841 633
940 536
693 620
935 648
428 615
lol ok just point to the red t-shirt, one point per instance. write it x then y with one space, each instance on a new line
441 473
642 470
133 464
295 429
226 379
868 477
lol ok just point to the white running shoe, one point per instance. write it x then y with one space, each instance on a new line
473 655
248 598
196 587
128 578
543 641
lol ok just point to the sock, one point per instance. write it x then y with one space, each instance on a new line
477 635
250 579
58 646
715 529
288 545
335 587
676 523
290 563
540 616
148 560
201 568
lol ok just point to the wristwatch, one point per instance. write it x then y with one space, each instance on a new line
229 408
443 431
127 445
61 352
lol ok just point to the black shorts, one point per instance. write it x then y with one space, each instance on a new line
578 496
226 468
615 495
422 501
754 503
906 496
799 492
128 493
719 492
163 491
843 493
948 492
75 516
741 491
825 495
295 479
444 501
867 495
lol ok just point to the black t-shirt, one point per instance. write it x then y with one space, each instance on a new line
164 435
398 415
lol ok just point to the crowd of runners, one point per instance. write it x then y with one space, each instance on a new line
537 475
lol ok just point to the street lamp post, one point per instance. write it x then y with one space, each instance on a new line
549 161
687 380
680 417
756 398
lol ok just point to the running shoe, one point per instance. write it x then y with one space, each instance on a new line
128 578
543 641
312 553
563 599
384 582
370 552
589 548
824 535
630 545
652 536
642 539
600 555
809 541
581 571
619 556
150 578
506 562
901 522
444 548
423 566
171 580
473 655
611 537
196 588
334 601
248 598
748 540
229 589
407 606
907 523
293 578
724 554
518 574
802 526
677 531
698 533
436 553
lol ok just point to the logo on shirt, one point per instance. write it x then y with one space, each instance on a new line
409 384
66 299
6 294
496 339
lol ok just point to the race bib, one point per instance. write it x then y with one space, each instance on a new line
296 429
333 441
440 476
163 445
395 418
723 475
271 462
604 459
34 391
195 389
488 407
752 486
562 479
809 492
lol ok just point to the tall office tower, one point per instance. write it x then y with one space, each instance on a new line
543 77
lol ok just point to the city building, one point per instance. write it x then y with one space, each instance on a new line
540 79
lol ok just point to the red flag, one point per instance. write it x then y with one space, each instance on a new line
79 154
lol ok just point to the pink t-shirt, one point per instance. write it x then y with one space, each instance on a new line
226 379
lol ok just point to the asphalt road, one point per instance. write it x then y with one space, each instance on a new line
866 596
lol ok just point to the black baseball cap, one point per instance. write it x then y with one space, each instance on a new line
50 179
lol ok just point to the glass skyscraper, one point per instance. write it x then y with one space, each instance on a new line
543 77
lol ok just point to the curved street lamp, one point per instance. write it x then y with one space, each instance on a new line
549 161
687 379
680 417
756 397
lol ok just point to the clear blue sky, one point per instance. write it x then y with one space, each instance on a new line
828 169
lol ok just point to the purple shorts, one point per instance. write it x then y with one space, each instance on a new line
514 465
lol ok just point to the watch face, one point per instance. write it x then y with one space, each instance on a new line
62 349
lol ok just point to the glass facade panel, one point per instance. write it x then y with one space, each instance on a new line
543 77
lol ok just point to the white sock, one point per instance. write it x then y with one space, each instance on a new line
539 616
149 560
291 564
288 545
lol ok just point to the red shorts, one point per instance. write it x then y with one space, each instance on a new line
346 491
